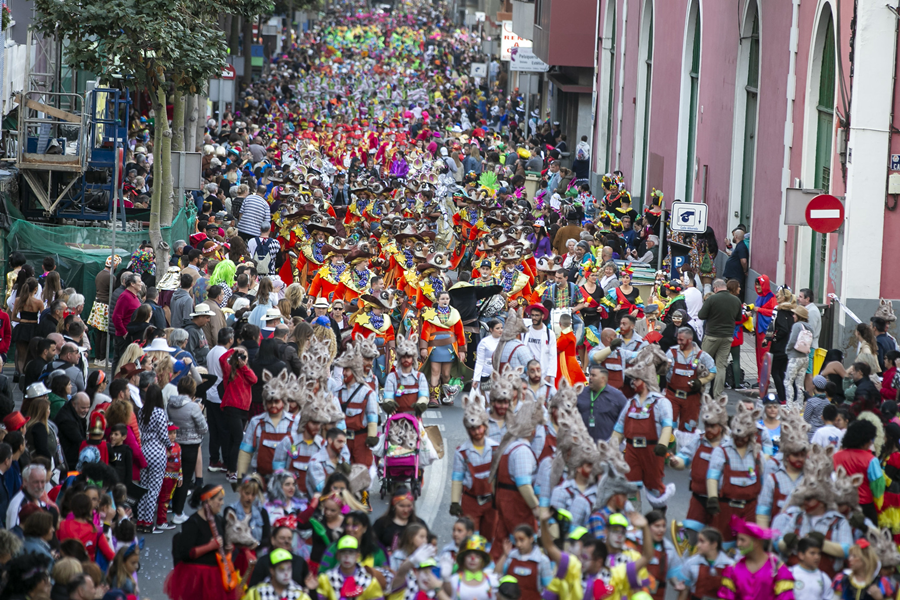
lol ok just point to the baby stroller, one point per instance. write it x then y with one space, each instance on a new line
401 454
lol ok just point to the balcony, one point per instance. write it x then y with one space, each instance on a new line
564 32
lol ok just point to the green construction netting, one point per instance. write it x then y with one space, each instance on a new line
81 252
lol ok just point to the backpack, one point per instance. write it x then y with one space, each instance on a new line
262 258
804 341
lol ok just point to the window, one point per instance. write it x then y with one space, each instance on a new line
824 130
751 91
694 84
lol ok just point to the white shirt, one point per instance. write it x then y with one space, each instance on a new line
811 585
828 435
483 357
135 395
542 343
214 368
693 298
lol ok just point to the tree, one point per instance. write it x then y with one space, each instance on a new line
161 46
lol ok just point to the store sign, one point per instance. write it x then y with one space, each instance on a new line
510 40
523 59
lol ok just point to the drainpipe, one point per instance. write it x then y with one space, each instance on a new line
788 137
891 125
594 85
619 109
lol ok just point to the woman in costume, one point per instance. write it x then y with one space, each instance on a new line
313 253
442 343
356 280
203 567
591 309
328 277
566 358
624 299
758 574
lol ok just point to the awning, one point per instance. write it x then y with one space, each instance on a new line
566 84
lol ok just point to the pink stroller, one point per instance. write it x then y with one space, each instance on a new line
400 463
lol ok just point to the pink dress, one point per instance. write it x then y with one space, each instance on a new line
773 581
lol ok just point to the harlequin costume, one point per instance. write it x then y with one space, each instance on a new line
171 479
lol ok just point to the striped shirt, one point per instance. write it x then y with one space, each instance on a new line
662 411
794 519
522 463
473 457
542 481
254 212
568 496
780 480
727 451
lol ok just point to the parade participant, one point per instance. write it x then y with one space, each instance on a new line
612 357
471 582
203 566
530 567
779 481
442 345
537 386
359 404
624 299
328 276
355 280
510 350
513 468
645 424
469 299
282 497
666 562
702 572
304 440
348 579
690 369
862 580
505 392
541 339
567 367
333 456
373 320
432 279
279 583
265 431
99 317
594 570
368 349
389 527
855 456
758 573
516 284
577 453
484 356
812 511
592 311
313 253
406 388
613 493
733 481
695 450
471 493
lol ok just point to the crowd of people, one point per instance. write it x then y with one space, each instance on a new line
366 249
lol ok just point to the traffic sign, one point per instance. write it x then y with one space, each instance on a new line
689 217
825 213
228 72
478 70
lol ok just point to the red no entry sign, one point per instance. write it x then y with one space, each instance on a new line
825 213
228 72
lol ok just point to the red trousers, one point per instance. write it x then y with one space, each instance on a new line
722 521
761 352
165 494
646 467
360 453
685 410
512 511
484 516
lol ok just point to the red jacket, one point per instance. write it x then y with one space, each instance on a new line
90 536
237 390
857 461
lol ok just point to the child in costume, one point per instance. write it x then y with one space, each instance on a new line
758 574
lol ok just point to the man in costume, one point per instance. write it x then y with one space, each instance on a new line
762 316
373 320
359 404
510 350
266 430
690 369
514 465
355 280
695 450
782 478
328 277
645 424
734 478
471 493
406 388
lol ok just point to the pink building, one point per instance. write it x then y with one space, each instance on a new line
732 103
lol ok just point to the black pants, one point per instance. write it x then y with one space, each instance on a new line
216 420
779 369
188 466
870 511
234 433
100 344
119 345
246 236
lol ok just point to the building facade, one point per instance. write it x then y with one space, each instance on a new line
735 103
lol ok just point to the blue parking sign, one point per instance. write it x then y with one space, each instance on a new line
895 162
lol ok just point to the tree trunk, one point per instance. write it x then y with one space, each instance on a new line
248 43
178 122
200 122
168 199
159 246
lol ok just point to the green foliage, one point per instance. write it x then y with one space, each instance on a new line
147 42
